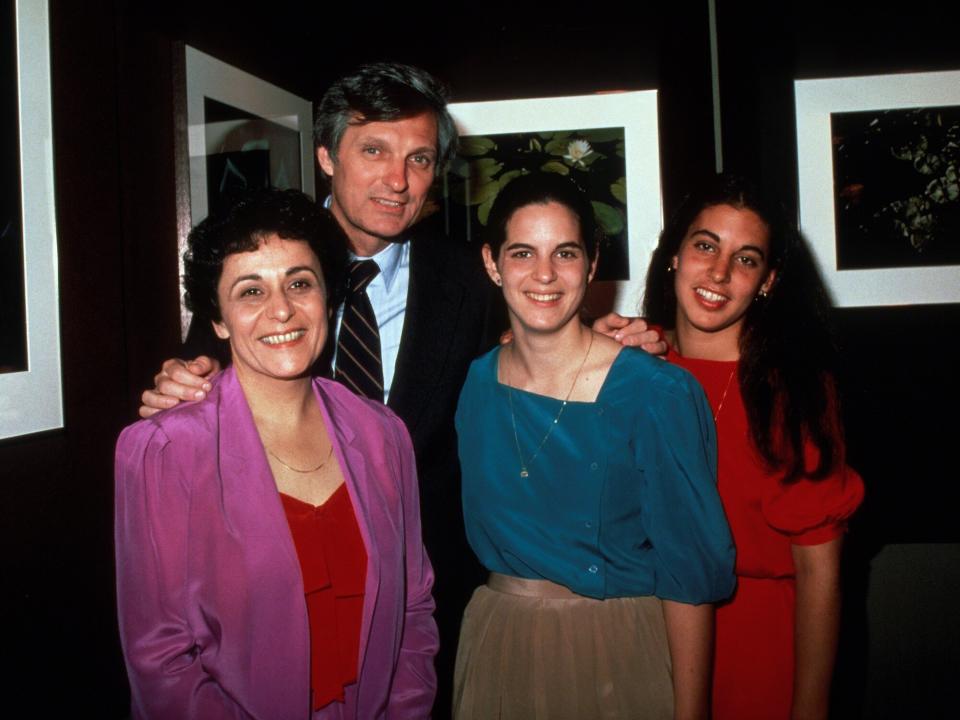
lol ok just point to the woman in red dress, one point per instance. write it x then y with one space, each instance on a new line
745 311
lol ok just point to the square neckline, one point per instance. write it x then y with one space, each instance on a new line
495 368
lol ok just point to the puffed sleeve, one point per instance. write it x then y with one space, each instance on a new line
812 512
686 525
166 677
415 683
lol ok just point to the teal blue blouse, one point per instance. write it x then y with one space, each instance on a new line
621 500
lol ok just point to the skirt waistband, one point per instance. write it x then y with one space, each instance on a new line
531 588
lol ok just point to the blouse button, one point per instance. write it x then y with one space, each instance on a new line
588 524
593 466
593 569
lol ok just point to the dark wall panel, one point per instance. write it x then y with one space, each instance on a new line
57 488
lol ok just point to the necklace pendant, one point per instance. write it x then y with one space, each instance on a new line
524 473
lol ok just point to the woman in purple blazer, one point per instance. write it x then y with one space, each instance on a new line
221 506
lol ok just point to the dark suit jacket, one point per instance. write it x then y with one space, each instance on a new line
453 315
451 319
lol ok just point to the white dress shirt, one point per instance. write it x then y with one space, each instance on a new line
388 296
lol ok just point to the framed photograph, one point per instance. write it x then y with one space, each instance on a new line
241 133
607 144
30 388
879 176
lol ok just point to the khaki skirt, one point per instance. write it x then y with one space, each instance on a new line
534 650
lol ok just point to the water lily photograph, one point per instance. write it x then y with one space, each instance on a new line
897 187
593 158
878 164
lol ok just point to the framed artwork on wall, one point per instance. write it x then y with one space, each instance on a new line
30 388
879 178
607 144
241 132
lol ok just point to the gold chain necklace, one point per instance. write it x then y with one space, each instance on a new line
726 388
298 470
513 418
724 396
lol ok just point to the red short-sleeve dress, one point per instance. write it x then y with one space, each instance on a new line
754 656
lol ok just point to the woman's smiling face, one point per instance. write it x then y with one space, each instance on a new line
273 308
721 267
543 266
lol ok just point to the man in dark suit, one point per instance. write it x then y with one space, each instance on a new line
383 134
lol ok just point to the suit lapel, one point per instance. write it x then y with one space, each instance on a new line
434 301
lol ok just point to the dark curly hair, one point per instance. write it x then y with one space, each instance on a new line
384 92
788 356
541 188
243 225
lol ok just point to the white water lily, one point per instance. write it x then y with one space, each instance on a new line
577 150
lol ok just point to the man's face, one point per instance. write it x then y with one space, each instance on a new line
380 178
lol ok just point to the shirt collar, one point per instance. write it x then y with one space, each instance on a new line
388 260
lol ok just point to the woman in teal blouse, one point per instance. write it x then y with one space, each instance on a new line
589 492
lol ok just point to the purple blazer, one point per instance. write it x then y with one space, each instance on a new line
213 619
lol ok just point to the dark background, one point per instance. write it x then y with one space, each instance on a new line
113 103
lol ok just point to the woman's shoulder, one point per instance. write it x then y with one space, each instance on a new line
187 424
488 359
181 436
637 371
477 387
483 369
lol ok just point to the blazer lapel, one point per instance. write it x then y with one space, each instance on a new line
245 473
350 453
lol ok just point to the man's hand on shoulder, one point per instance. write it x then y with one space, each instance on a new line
178 380
632 332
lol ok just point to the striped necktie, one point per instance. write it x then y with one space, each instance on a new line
358 346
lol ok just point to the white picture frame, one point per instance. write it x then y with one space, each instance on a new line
207 78
32 401
816 101
636 113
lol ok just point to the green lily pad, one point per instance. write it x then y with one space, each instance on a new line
484 168
474 145
507 177
482 191
483 212
555 167
619 190
609 218
556 147
590 159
